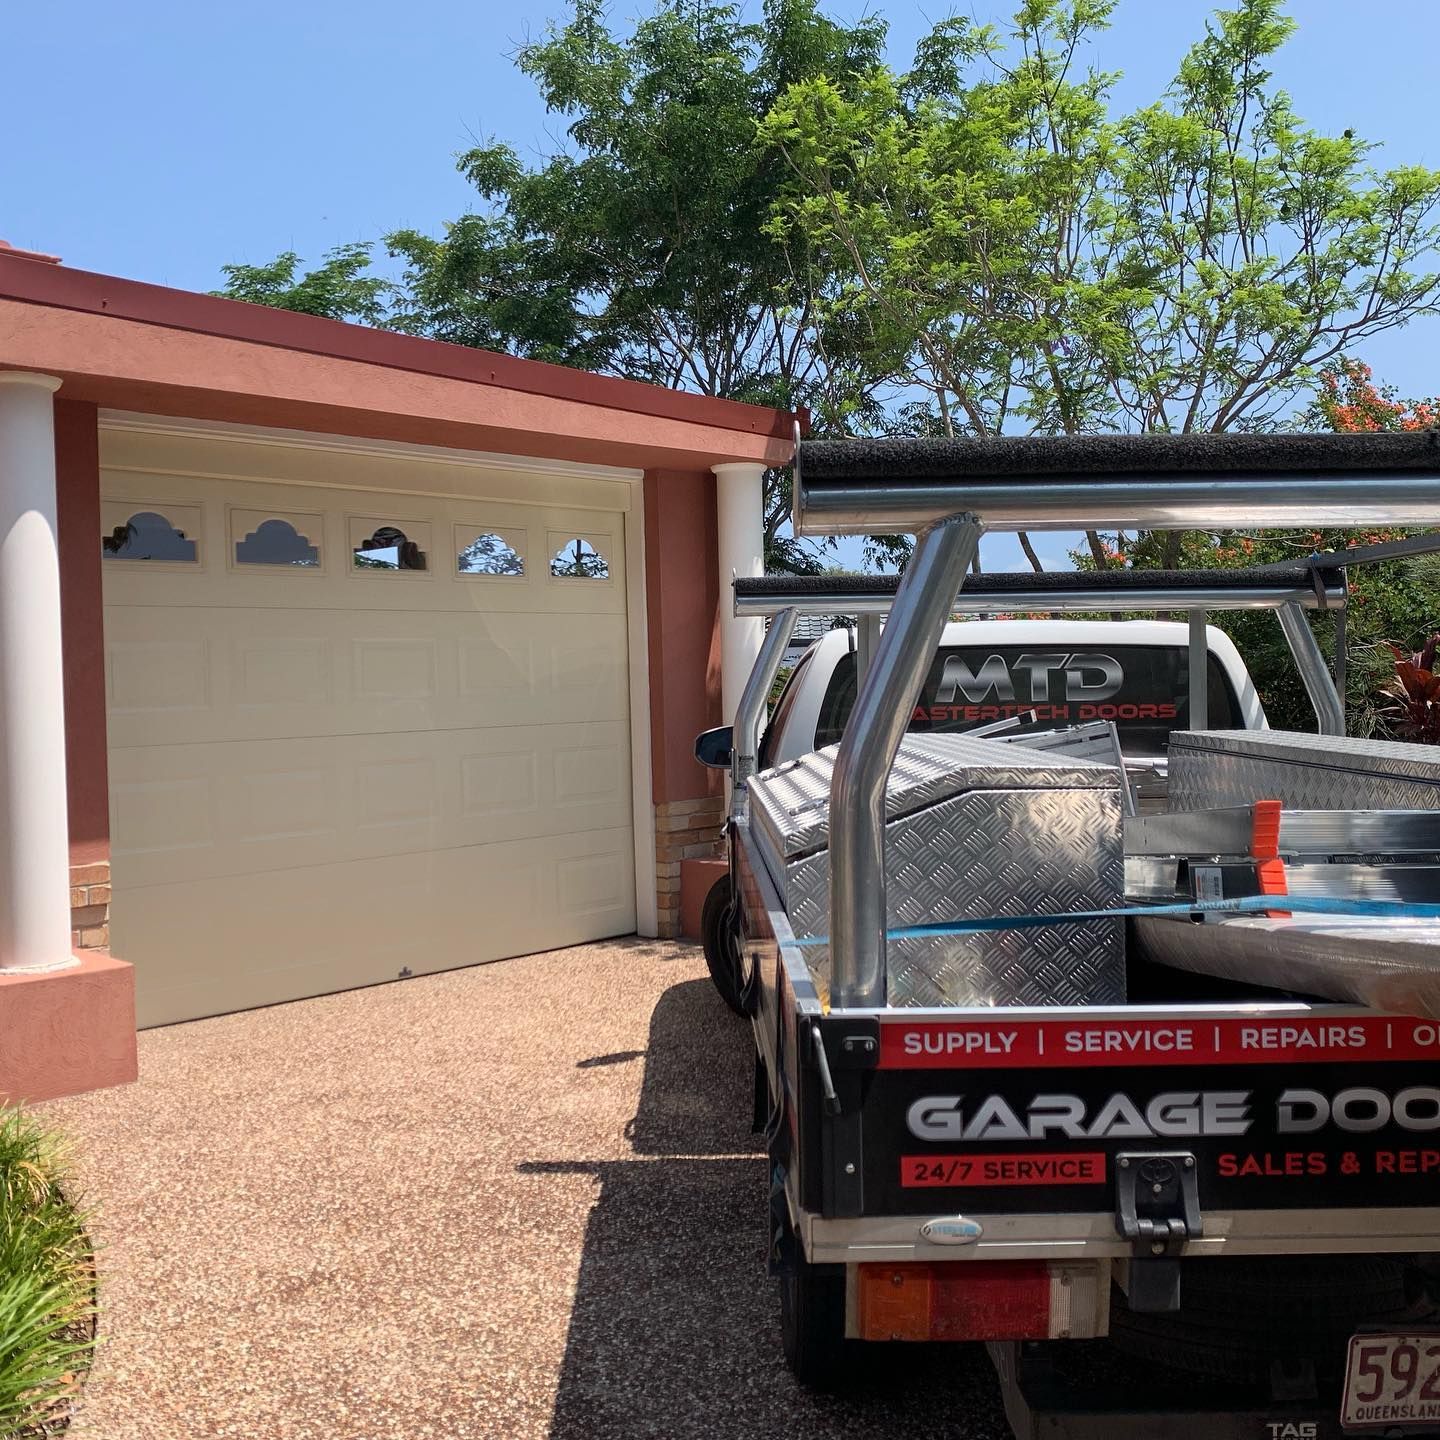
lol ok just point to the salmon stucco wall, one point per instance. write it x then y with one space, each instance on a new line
77 476
682 598
63 1032
682 606
82 621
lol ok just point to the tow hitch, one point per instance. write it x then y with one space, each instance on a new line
1157 1209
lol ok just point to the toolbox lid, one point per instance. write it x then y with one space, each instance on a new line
791 802
1297 747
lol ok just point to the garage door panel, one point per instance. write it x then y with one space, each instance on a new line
289 803
325 773
166 816
225 944
282 670
220 675
402 670
192 812
152 676
591 885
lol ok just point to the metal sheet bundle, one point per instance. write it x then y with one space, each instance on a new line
1353 820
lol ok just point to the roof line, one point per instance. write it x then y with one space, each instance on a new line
60 287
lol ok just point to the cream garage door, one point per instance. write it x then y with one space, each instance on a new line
357 736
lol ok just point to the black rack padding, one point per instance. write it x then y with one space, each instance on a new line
800 587
1006 457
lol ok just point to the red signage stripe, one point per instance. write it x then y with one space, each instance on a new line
1083 1167
1059 1044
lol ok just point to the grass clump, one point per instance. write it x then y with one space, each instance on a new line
47 1281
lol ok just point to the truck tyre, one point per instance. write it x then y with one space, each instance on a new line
1239 1315
812 1324
720 935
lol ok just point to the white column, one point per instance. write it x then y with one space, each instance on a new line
34 835
740 510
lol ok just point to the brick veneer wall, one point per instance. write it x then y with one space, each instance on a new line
90 906
684 830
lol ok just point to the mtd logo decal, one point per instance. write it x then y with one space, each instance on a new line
1070 685
1089 676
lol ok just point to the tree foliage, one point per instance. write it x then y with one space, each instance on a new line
1347 400
1029 262
974 245
640 248
338 288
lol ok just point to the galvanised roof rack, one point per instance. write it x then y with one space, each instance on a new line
1056 590
1119 482
1286 590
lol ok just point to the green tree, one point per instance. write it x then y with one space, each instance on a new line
639 248
1394 603
1028 262
338 288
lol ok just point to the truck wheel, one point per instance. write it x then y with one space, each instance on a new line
812 1324
1238 1315
720 935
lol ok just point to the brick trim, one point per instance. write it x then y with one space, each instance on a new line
90 906
684 830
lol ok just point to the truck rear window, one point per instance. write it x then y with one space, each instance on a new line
1144 689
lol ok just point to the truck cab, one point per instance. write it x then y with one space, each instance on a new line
1063 672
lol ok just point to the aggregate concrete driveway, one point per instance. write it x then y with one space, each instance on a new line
519 1200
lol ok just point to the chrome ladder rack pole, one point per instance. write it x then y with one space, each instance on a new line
1329 707
745 741
867 636
886 700
1199 701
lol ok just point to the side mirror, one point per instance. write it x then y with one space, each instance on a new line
713 747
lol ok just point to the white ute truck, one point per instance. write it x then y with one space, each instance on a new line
1110 1040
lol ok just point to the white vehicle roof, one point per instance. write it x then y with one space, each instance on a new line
825 654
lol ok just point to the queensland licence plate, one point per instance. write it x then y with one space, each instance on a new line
1392 1381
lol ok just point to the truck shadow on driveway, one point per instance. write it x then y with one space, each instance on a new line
675 1326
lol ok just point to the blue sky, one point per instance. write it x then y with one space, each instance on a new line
160 140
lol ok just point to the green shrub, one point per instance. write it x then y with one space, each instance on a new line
47 1280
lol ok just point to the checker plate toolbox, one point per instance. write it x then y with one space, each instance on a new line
974 827
1302 772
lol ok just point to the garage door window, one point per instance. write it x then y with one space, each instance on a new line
578 559
275 540
148 535
388 548
490 552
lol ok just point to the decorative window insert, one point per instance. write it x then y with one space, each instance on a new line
379 546
579 558
489 552
262 537
160 534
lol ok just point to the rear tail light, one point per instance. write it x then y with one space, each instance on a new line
981 1300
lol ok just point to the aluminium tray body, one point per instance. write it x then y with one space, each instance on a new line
1214 768
974 828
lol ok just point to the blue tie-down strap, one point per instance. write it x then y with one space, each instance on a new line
1248 905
